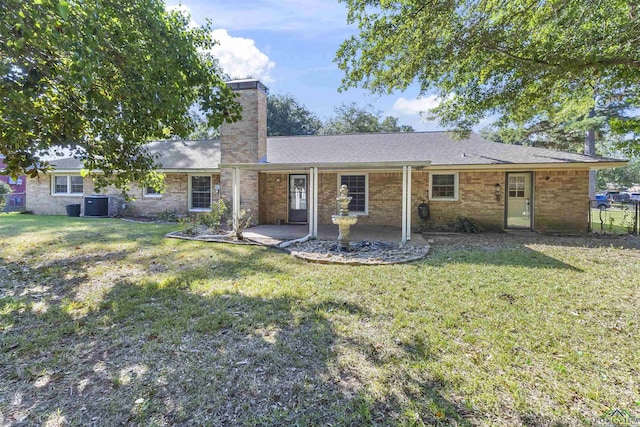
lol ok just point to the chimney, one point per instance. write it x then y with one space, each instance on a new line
245 141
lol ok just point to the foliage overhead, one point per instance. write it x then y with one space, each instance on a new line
98 80
352 118
524 60
286 116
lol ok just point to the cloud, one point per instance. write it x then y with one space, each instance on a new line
416 105
239 57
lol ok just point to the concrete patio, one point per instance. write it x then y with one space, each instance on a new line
274 234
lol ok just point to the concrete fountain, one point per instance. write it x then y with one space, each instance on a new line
344 220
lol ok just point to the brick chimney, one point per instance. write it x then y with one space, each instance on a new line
245 142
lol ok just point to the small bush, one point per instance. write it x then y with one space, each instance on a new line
5 190
168 216
243 221
217 216
467 225
188 225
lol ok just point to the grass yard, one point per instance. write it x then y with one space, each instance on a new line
619 219
105 322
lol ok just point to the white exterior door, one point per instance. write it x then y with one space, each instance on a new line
519 208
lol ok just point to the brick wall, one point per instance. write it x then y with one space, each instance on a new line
175 197
245 142
561 201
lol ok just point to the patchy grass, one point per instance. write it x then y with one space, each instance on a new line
104 322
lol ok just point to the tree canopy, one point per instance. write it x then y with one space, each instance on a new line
526 61
353 118
100 79
286 116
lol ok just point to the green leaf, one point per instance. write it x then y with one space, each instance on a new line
63 9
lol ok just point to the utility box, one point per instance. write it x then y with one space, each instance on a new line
96 206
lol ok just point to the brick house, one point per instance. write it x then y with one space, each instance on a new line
16 200
296 179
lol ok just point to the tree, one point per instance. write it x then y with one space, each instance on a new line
352 118
526 61
286 116
99 80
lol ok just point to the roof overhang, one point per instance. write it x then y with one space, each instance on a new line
534 166
273 167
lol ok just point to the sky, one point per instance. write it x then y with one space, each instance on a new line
290 45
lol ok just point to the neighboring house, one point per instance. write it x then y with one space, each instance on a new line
16 200
296 179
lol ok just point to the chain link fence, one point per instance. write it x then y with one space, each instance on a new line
614 218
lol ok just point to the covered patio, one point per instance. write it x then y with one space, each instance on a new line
275 234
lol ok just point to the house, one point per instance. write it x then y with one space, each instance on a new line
15 200
296 179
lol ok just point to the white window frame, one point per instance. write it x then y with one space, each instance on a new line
68 192
146 194
456 182
366 190
191 208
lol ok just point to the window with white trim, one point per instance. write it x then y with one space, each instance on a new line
358 190
151 192
200 192
67 184
443 186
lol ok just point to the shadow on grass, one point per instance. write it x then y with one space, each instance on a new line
158 353
517 256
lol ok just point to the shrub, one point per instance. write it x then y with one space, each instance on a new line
187 225
467 225
243 221
168 216
5 190
216 216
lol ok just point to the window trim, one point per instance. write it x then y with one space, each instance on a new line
456 185
152 195
191 208
366 190
68 192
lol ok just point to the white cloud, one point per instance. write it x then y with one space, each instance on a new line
239 57
416 105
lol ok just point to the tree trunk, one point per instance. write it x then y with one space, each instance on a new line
590 150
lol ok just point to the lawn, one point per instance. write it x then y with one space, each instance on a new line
105 322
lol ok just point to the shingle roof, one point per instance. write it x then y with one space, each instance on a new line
174 155
438 147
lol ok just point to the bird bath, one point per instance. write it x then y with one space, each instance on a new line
344 221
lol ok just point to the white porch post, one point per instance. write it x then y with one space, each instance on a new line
408 203
235 200
313 214
404 204
310 200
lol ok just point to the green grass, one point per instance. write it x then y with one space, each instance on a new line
104 321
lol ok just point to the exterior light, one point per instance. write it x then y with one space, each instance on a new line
497 187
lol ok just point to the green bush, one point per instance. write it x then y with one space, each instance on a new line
467 225
187 225
217 216
5 190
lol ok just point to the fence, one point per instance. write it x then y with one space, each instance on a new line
617 218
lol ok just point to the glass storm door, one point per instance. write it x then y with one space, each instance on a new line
298 198
519 200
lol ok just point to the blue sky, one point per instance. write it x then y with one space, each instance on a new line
290 45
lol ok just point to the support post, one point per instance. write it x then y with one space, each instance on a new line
310 200
404 204
235 201
408 230
314 196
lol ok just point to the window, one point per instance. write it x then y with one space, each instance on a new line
516 186
67 184
357 185
151 192
200 192
444 186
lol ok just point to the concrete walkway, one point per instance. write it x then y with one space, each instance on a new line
274 234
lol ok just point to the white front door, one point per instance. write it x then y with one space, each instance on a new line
519 200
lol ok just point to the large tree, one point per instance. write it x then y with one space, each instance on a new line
99 79
286 116
525 61
353 118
